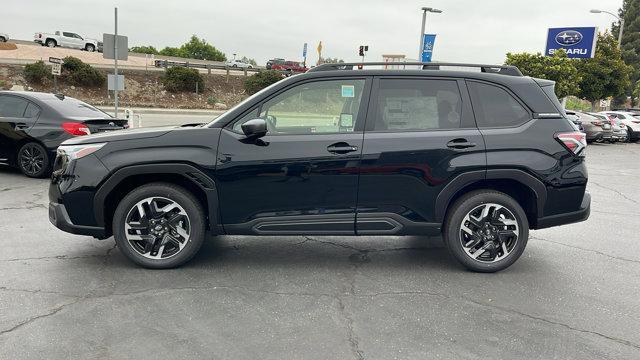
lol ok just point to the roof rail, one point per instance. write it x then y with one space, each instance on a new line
495 69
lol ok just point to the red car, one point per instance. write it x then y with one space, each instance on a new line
287 66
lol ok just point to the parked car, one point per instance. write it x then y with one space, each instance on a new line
455 153
239 64
574 118
33 124
632 123
65 39
619 130
286 66
596 128
4 37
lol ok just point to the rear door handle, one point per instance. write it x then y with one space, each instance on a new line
21 126
341 148
460 144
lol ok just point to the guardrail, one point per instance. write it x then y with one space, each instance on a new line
168 63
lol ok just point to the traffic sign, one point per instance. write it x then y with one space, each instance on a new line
115 83
109 45
304 50
56 69
578 42
54 60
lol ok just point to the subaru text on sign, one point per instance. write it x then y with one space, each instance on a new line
578 42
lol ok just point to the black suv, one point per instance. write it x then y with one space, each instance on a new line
479 157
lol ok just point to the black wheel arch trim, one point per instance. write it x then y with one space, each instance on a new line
463 180
189 172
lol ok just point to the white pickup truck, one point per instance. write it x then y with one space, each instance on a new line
66 39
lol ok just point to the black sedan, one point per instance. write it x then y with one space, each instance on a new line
32 126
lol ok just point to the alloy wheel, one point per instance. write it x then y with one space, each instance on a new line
31 159
157 228
489 232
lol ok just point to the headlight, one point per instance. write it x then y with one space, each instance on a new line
79 151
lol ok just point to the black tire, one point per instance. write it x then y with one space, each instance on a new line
464 205
90 48
2 39
50 43
33 160
179 195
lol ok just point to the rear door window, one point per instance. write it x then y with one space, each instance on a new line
12 106
495 107
32 111
417 104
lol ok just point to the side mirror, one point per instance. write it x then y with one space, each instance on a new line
255 128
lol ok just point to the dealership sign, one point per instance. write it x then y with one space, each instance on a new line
578 42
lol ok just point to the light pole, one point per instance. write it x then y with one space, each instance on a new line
621 20
425 10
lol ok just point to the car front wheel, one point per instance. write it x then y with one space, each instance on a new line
159 226
33 160
486 230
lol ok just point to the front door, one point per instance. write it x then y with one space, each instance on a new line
420 136
301 177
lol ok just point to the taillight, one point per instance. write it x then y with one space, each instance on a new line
76 128
574 141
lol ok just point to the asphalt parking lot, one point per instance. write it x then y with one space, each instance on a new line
574 294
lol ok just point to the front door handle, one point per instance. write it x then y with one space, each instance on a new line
341 148
460 144
21 126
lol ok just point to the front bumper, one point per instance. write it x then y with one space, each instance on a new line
568 218
59 217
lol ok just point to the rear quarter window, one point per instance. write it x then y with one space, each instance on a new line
494 106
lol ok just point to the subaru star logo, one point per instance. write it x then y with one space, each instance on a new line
568 38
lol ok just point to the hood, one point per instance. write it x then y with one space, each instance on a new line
117 135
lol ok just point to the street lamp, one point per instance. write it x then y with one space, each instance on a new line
425 10
621 20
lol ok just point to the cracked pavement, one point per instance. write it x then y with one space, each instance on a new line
574 294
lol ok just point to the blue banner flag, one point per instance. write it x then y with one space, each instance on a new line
427 47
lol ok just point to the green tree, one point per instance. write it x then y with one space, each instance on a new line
182 79
636 90
144 50
249 61
558 68
172 51
200 49
606 74
630 11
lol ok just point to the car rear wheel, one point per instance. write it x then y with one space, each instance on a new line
486 231
90 48
2 39
50 43
33 160
159 226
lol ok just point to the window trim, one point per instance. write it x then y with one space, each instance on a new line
513 95
360 119
466 111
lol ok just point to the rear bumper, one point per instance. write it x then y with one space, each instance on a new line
568 218
59 217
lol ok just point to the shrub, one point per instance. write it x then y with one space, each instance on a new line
178 79
211 100
259 81
71 63
79 73
37 72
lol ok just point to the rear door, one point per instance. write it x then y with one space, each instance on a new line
420 136
67 40
17 116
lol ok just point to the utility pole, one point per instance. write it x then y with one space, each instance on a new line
115 72
425 10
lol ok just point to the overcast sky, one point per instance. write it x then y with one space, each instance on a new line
467 31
